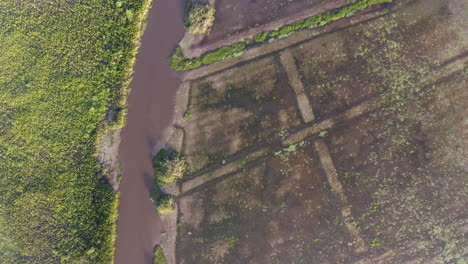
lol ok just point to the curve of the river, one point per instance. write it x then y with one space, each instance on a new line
150 110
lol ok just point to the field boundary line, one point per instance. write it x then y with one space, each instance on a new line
330 122
332 178
223 170
289 65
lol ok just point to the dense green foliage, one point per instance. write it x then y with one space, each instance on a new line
199 19
159 257
261 37
63 64
165 205
168 166
178 62
163 202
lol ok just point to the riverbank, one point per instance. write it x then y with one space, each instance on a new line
150 111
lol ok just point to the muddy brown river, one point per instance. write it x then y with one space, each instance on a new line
150 110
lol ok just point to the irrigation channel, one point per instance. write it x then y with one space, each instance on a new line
150 110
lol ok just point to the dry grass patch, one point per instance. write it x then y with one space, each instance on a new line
200 18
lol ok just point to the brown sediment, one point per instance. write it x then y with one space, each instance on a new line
150 111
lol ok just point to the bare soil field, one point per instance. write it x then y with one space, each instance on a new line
347 147
235 17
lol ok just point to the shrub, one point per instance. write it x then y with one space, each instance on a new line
261 37
168 167
200 18
159 257
165 204
177 61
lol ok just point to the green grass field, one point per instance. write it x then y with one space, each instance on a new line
63 65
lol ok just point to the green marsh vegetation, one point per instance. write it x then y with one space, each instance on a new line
64 69
178 62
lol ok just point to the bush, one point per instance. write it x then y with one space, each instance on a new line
261 37
168 167
177 61
165 204
200 18
159 257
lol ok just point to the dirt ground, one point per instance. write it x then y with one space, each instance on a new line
348 147
232 17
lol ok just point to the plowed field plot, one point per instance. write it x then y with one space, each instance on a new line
238 16
348 147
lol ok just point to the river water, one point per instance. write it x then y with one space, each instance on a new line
150 110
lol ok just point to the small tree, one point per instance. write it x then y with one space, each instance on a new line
200 19
159 257
169 166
